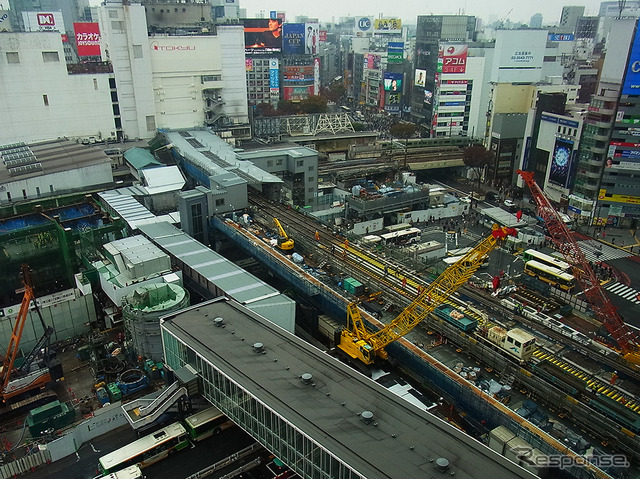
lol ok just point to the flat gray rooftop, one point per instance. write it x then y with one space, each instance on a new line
402 441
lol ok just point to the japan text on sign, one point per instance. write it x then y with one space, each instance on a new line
87 39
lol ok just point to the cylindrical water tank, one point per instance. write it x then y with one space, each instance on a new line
142 309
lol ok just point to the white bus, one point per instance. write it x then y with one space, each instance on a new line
133 472
532 254
206 423
402 237
397 227
146 450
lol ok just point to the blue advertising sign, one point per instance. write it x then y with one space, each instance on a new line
364 24
561 37
631 85
293 38
274 73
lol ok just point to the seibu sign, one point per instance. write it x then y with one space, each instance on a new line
171 48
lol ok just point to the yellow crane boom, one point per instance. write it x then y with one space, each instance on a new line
360 343
284 242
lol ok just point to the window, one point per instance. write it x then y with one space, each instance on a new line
113 13
95 83
24 194
311 190
151 122
51 188
13 57
300 163
38 191
269 163
112 82
311 168
45 98
117 26
137 51
279 162
8 196
311 178
50 57
220 202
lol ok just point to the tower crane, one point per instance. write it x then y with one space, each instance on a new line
360 343
602 306
284 242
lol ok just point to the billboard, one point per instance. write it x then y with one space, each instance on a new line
262 35
387 25
322 35
248 64
452 58
395 52
631 85
364 26
297 73
561 37
43 21
371 61
87 39
428 97
393 82
293 41
274 75
311 39
560 170
419 78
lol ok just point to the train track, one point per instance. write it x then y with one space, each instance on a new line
400 285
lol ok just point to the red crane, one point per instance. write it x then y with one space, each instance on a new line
594 293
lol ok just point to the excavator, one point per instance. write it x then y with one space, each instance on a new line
360 343
20 380
594 293
284 242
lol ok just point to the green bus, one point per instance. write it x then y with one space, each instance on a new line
206 423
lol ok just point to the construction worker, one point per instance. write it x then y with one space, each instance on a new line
346 243
317 235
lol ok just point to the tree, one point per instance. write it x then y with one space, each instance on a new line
265 109
477 157
286 107
405 131
313 104
334 92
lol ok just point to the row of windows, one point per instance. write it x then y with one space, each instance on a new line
563 130
168 10
25 196
47 57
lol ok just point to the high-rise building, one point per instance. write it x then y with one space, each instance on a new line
536 21
569 16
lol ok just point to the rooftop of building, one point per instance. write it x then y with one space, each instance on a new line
400 440
21 161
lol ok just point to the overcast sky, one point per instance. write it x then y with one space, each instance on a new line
408 10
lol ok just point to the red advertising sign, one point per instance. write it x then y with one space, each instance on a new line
323 35
87 39
454 58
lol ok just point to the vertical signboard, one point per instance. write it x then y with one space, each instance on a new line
311 38
452 58
274 75
87 39
560 170
395 52
322 35
316 76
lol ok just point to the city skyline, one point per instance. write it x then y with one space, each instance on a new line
489 10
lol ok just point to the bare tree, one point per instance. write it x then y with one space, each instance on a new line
477 157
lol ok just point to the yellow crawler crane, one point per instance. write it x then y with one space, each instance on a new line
358 342
284 242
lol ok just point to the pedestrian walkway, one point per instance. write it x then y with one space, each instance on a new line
624 291
598 251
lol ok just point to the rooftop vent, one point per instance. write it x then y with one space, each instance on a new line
306 378
442 464
258 347
367 416
218 321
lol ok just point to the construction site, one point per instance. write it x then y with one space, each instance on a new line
99 294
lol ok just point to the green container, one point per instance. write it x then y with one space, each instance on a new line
83 353
55 417
353 286
115 394
42 413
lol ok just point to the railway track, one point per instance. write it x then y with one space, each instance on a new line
400 286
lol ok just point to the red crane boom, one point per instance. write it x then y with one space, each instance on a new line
604 310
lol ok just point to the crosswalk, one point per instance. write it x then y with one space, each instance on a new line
595 251
624 291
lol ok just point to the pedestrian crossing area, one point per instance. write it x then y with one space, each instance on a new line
595 251
624 291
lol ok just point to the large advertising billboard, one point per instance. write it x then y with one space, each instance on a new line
87 39
387 25
300 38
293 38
393 82
560 171
631 85
452 58
262 35
395 52
371 61
43 21
420 77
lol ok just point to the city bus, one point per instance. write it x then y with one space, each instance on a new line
132 472
532 254
397 227
549 274
402 237
206 423
146 450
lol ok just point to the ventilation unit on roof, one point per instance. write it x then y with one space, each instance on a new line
306 378
367 416
258 347
442 464
219 321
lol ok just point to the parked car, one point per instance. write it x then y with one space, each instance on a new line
509 203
